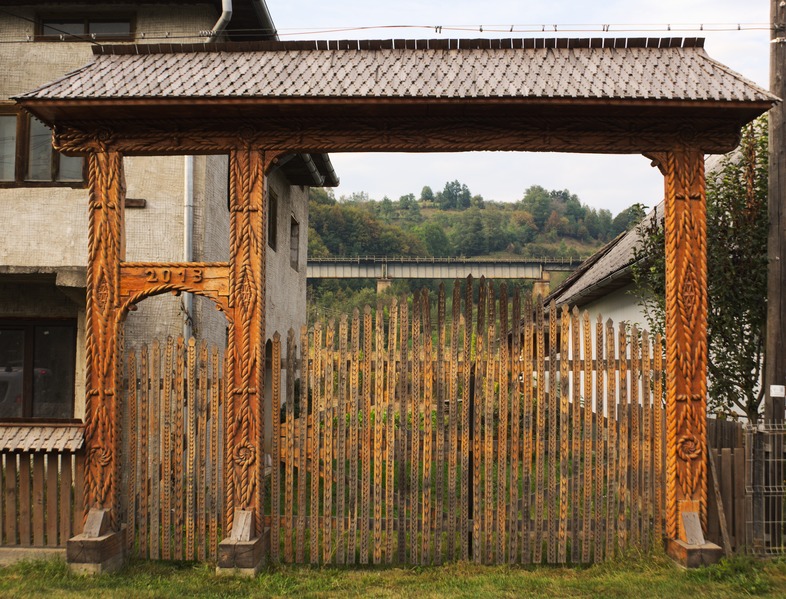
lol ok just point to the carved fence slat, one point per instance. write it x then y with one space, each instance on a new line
154 437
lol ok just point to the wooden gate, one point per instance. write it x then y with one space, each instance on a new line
172 450
507 434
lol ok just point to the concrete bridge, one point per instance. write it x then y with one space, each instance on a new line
385 269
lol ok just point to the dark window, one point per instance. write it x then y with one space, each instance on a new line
37 361
294 243
272 221
85 28
27 158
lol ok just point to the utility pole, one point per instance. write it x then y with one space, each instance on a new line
775 354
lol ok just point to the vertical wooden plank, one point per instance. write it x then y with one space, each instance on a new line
38 498
553 419
489 522
341 449
191 465
390 440
528 448
440 436
414 488
515 428
23 485
3 508
646 444
428 380
465 417
216 490
367 437
330 360
635 451
133 457
79 492
453 398
727 486
166 452
587 435
379 389
623 416
154 464
275 448
66 486
177 445
477 447
576 446
401 458
540 449
739 497
658 453
353 441
502 428
564 447
289 468
9 499
611 466
51 498
201 450
600 446
302 465
144 450
317 425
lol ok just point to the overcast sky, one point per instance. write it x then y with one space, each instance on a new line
612 182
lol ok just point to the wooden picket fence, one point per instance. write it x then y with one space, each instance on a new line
172 454
507 434
42 497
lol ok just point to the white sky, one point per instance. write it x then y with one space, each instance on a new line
612 182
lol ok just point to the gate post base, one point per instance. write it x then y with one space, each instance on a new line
693 556
240 554
242 558
97 549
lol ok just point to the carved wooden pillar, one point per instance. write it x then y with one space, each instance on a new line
686 337
103 332
246 344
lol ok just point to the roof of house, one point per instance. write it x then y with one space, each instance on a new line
670 69
606 270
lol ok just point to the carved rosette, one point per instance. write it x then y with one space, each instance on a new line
245 367
103 337
686 336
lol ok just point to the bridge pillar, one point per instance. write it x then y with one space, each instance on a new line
542 286
383 285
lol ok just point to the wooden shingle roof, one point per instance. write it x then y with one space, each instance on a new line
32 437
654 69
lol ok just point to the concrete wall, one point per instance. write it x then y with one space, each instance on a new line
621 305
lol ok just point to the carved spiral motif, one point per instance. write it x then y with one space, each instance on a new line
245 455
689 447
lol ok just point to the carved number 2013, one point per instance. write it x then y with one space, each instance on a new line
165 275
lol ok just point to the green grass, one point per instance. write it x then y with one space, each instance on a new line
635 576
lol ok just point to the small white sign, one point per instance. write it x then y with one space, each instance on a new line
777 390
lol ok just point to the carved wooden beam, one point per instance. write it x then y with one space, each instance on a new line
246 361
103 333
686 336
140 280
404 134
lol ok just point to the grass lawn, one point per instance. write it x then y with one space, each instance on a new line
635 576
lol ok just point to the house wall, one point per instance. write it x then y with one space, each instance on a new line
620 305
45 228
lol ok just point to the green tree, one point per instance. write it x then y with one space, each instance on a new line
737 226
426 194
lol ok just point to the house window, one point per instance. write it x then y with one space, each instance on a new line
272 221
37 360
79 28
294 243
27 158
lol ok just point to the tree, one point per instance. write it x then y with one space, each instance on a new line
426 195
737 228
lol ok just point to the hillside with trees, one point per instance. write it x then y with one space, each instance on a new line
451 222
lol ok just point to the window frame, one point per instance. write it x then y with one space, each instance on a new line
28 325
22 157
86 19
